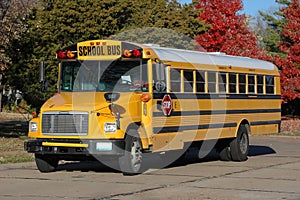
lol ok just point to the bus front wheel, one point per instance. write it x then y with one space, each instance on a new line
46 163
131 162
239 147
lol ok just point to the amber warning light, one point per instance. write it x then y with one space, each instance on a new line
67 54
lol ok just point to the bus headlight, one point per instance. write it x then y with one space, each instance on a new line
33 127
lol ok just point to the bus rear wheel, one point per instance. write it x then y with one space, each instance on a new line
46 163
224 153
239 147
131 162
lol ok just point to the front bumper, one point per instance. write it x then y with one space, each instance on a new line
75 147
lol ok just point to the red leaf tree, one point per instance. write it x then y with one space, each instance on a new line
229 32
290 66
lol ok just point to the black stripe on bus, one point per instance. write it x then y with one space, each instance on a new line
170 129
259 123
217 112
215 96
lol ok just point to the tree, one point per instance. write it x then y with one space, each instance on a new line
290 66
159 36
282 39
274 24
12 24
229 32
12 14
167 24
59 23
291 31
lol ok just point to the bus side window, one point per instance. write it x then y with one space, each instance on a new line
211 82
260 84
270 84
251 83
222 82
232 82
200 81
159 78
188 81
242 83
175 78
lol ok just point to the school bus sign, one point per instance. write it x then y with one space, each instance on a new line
96 49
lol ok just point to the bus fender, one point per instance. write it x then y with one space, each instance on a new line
142 133
144 137
245 122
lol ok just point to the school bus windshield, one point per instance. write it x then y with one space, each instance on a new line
103 76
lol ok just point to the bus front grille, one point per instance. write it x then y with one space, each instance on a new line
65 123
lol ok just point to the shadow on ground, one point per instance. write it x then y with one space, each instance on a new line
158 161
256 150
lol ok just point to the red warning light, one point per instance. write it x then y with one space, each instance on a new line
61 54
68 54
136 53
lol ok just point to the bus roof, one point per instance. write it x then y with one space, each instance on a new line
181 55
214 58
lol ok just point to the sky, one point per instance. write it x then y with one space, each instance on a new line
251 7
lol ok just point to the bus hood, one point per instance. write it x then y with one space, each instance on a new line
66 101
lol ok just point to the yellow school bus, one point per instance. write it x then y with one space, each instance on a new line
120 100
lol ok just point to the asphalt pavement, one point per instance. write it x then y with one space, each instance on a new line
271 172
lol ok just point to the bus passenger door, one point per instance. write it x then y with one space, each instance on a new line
160 139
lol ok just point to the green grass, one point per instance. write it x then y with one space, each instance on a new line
16 158
12 150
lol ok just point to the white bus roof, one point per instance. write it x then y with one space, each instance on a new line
214 58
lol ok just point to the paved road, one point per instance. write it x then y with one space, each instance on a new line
271 172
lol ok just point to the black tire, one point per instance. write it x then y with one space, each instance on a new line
223 148
46 163
131 162
239 147
225 154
